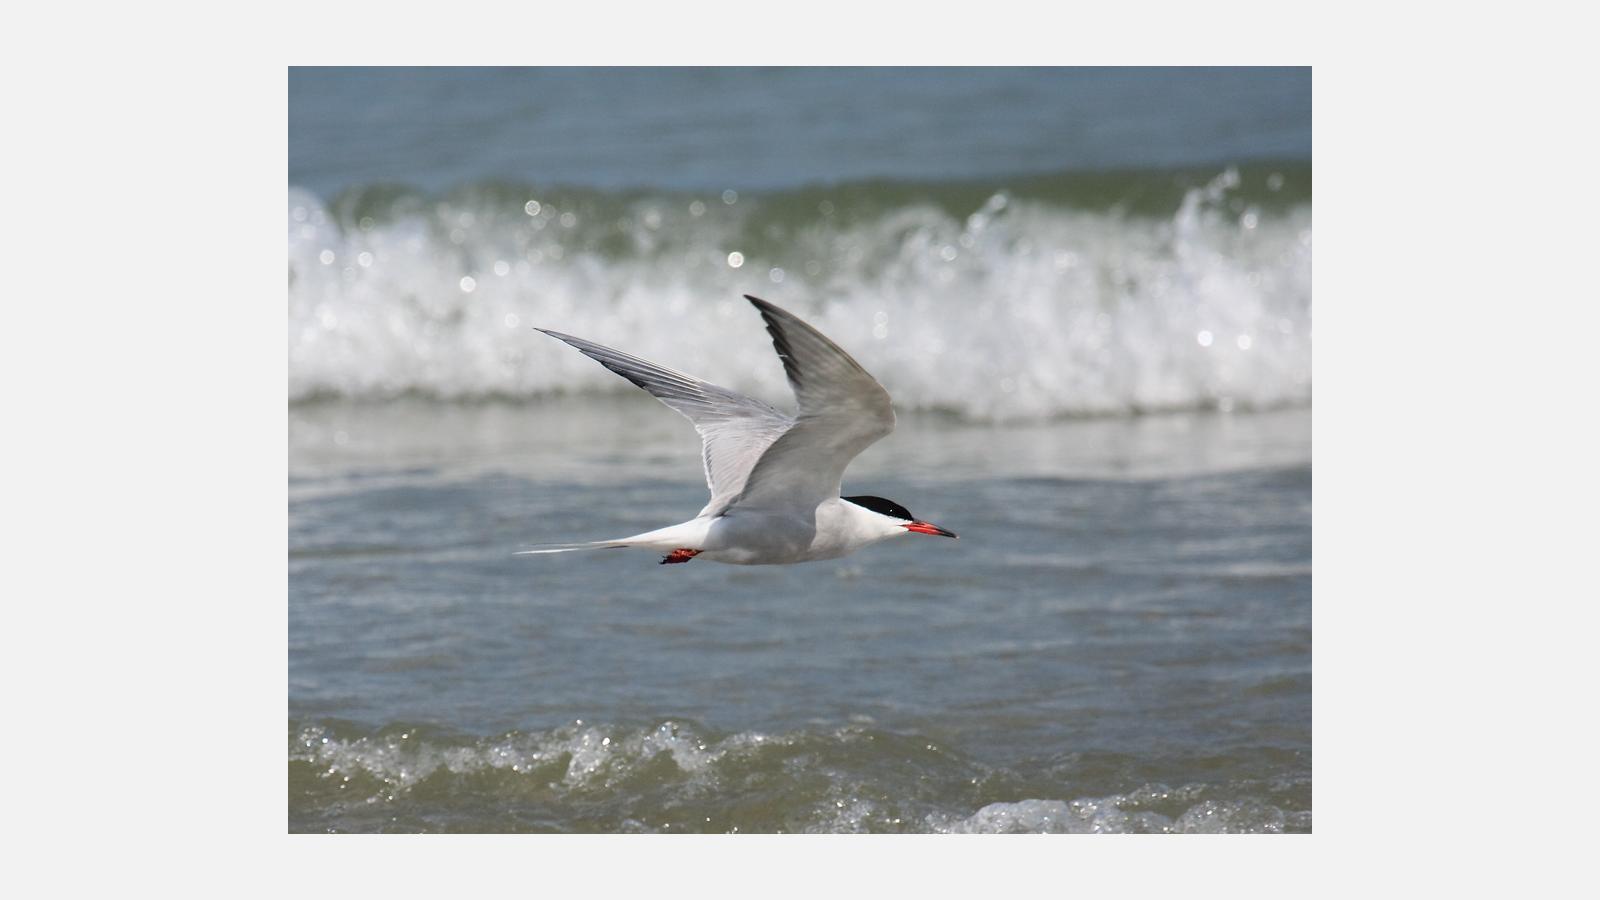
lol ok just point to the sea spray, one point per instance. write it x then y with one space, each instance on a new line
1051 296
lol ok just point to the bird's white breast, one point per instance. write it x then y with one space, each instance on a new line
768 537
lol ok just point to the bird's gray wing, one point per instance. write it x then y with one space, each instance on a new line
843 410
736 429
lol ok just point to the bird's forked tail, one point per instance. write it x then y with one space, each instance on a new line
567 548
688 537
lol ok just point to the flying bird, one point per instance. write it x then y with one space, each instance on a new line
775 479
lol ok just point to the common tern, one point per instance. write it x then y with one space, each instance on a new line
775 479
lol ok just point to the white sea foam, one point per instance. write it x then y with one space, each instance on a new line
617 768
1107 815
585 753
1018 309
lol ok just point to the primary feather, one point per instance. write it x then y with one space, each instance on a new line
843 410
736 429
753 453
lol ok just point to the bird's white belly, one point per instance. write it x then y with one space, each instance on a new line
758 538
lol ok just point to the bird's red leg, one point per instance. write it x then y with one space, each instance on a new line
680 555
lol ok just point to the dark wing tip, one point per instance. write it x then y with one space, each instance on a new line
774 316
770 311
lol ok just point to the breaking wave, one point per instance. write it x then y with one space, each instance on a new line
679 777
1059 295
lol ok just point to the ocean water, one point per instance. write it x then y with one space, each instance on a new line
1089 293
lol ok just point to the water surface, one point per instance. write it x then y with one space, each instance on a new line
1089 293
1119 641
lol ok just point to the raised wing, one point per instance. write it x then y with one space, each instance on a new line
843 410
736 429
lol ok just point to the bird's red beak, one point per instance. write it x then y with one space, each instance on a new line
929 528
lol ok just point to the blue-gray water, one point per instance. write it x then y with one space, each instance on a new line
1089 294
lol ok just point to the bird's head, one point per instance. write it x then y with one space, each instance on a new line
902 517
